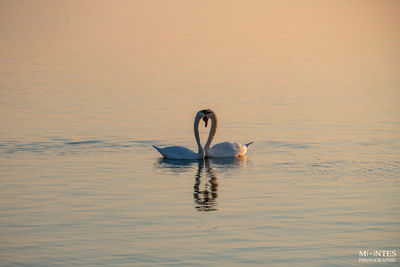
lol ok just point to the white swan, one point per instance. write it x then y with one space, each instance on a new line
221 150
180 152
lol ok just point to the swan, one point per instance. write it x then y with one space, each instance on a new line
180 152
221 150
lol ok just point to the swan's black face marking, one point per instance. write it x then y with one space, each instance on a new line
205 119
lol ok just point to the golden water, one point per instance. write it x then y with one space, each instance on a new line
86 87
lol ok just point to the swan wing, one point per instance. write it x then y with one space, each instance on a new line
176 152
227 150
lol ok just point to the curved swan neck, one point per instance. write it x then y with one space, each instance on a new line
213 131
200 153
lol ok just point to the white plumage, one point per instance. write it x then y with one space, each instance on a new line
180 152
225 149
177 152
221 150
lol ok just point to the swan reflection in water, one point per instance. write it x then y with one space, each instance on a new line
205 188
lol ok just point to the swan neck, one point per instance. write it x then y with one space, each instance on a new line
200 153
213 131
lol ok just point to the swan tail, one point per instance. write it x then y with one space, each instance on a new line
158 149
248 144
161 152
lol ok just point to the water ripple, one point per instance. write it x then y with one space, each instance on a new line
62 146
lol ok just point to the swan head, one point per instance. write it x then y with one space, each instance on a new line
206 113
201 115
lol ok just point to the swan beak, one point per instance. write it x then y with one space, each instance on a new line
205 119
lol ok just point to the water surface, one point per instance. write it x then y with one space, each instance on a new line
87 88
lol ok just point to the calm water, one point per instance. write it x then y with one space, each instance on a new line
87 87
